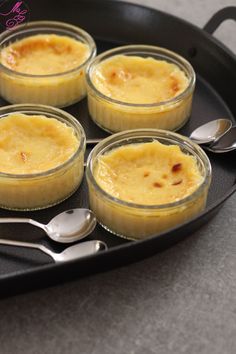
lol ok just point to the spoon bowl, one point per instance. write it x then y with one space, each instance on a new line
211 132
69 226
208 133
76 251
226 143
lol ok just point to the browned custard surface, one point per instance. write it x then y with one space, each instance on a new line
35 151
44 54
45 69
134 79
33 144
148 173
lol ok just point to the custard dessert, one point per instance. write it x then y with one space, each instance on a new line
149 174
44 54
141 189
44 68
38 162
143 90
138 80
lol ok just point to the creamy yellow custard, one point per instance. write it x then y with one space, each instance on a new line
43 70
133 79
44 54
33 151
132 92
149 174
146 184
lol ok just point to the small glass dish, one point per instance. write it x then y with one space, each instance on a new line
138 221
61 89
114 115
41 190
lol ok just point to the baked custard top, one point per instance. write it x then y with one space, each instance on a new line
148 173
33 144
134 79
44 54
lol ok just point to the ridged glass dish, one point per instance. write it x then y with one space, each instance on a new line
116 115
139 221
60 89
41 190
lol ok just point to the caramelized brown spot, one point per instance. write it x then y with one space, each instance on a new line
164 176
26 48
177 167
120 75
113 74
60 48
23 156
177 182
157 185
39 44
174 84
146 174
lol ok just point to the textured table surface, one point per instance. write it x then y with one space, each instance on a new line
180 301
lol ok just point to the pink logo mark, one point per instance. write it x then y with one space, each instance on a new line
15 16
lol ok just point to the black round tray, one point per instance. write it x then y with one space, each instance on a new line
112 24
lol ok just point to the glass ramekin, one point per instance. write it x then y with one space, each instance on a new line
59 90
114 116
136 221
44 189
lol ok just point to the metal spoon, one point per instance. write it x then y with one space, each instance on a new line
205 134
69 226
226 143
211 132
76 251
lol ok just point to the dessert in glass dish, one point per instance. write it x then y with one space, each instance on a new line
144 182
44 62
140 86
41 156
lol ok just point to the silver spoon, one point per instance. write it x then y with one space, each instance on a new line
211 132
69 226
76 251
226 143
205 134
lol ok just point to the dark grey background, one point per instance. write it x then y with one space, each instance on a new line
180 301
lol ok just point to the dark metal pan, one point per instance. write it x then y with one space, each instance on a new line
111 24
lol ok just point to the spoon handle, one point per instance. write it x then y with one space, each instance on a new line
93 141
70 253
6 220
27 245
23 220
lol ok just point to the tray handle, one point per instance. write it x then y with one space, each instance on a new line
227 13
